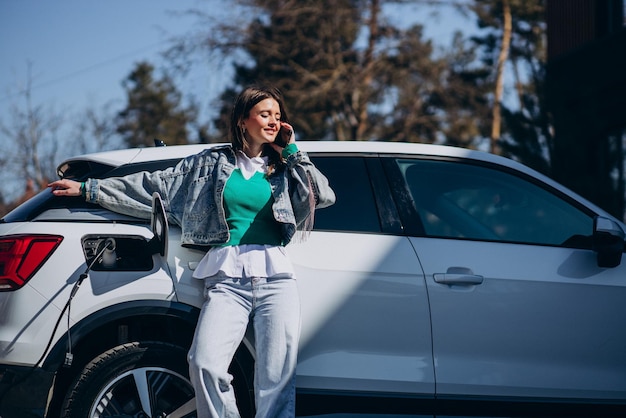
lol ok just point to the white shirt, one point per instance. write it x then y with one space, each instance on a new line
246 260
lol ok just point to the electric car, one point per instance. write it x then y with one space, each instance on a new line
443 282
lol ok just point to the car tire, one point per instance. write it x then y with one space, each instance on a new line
139 379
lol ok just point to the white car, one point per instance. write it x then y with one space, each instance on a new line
444 281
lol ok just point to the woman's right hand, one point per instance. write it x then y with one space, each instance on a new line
65 188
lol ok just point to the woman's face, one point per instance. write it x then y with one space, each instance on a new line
263 124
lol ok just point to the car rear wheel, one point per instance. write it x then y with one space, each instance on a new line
139 379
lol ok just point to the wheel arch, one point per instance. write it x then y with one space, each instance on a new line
155 319
139 320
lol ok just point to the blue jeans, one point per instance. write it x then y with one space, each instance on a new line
273 305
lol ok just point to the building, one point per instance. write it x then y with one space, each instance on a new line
586 92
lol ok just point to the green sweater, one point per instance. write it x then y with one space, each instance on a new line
248 205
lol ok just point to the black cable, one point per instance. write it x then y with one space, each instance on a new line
75 287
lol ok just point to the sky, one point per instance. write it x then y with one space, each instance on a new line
79 51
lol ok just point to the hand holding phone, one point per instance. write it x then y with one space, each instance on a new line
284 136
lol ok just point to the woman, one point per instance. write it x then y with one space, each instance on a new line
245 202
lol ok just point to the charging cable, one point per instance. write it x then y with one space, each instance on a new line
109 244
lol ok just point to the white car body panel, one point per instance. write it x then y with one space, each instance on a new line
500 337
182 262
365 320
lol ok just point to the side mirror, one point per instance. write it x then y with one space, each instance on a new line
608 241
159 225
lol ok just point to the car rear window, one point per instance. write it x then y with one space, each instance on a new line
79 171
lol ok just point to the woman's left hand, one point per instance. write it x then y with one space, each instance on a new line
285 137
65 188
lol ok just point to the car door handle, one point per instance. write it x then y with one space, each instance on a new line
458 276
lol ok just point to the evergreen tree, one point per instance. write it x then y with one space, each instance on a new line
526 132
466 96
436 99
348 74
153 111
306 48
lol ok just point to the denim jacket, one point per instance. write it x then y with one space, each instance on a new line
192 194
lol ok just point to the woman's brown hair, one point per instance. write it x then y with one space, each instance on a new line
246 100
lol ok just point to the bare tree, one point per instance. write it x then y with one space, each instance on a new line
30 144
95 130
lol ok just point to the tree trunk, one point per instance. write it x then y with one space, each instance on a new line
359 99
502 58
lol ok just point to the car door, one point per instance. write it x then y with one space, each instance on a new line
365 316
520 309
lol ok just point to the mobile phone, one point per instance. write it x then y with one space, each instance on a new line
282 139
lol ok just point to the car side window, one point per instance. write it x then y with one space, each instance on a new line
355 207
460 200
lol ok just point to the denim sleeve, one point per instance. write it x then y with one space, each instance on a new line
132 194
308 182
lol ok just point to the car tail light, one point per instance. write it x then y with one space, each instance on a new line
21 256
